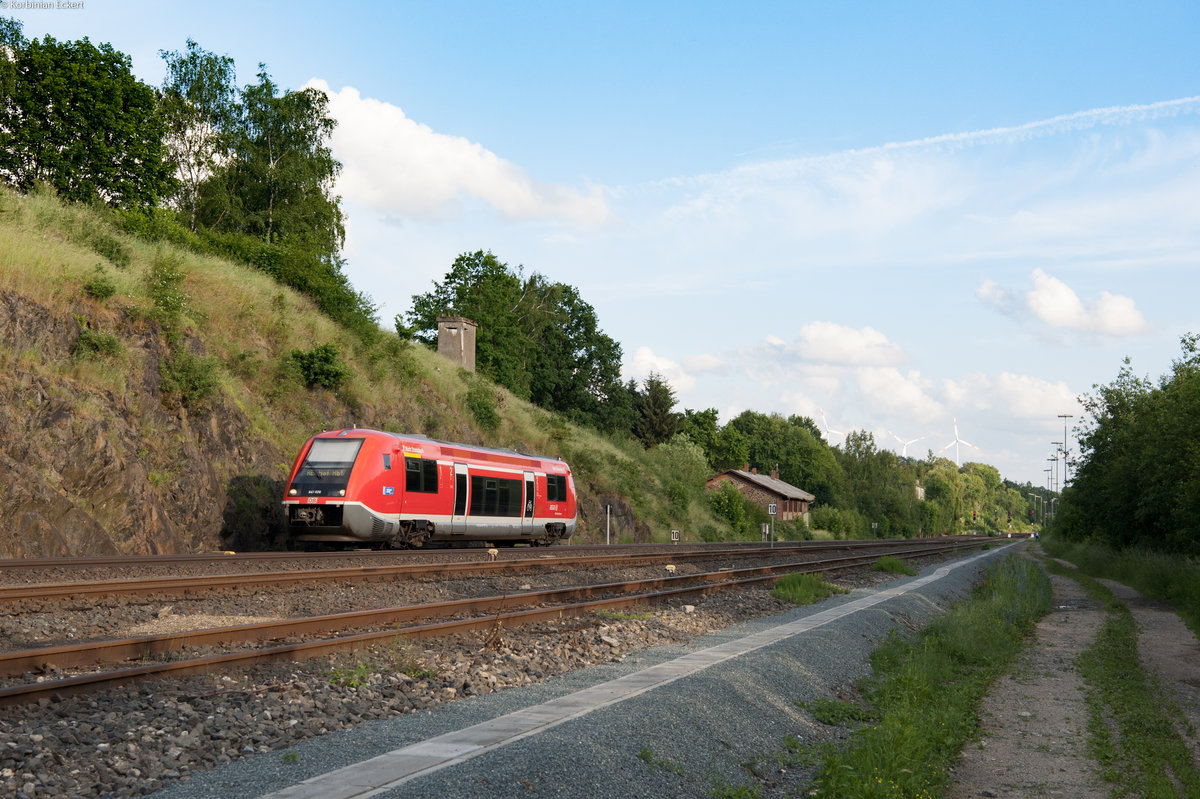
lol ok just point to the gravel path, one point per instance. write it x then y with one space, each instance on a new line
1035 715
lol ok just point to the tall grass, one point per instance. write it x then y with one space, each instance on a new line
804 589
1170 578
926 692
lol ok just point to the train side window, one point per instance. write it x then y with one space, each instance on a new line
495 496
420 475
556 488
387 461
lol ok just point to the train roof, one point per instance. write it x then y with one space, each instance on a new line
439 442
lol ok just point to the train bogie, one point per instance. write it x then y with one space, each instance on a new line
366 486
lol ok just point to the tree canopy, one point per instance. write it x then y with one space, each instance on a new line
74 116
537 338
1138 479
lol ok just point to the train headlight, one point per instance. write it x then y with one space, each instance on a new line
342 493
293 493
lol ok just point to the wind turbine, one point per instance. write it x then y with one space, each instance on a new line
955 443
829 429
904 444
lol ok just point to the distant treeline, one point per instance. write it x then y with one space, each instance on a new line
1138 480
541 341
241 172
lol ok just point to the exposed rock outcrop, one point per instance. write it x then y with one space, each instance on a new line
90 470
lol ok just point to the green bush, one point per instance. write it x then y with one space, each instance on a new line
321 366
100 286
190 378
110 247
92 344
481 401
164 286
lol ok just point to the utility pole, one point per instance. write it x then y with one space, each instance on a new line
1065 417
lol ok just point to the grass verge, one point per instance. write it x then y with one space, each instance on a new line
1131 722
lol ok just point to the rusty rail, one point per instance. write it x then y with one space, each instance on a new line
152 646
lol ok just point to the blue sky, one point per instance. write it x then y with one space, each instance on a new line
901 214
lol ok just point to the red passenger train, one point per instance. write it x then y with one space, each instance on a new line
368 487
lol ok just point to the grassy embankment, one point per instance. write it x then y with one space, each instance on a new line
1132 724
248 324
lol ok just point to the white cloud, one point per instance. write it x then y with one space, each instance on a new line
404 168
1011 396
644 361
704 362
834 344
1056 305
888 393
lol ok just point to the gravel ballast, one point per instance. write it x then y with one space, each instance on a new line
681 739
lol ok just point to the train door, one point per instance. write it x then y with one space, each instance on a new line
527 515
458 522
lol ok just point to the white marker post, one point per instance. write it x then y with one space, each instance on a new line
771 508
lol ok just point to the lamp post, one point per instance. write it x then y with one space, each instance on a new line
1057 449
1065 417
1053 476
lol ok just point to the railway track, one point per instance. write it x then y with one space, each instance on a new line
500 611
477 566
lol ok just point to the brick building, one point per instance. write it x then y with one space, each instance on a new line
791 502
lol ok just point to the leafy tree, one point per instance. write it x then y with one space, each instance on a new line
1138 480
12 42
200 109
75 117
278 185
481 287
538 339
804 461
702 428
655 422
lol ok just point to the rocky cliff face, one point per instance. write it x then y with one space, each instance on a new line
88 469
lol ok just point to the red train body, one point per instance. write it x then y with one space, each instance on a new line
366 486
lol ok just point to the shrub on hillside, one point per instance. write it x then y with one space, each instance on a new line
100 286
321 366
164 285
190 378
481 401
92 344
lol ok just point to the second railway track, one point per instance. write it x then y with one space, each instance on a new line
500 610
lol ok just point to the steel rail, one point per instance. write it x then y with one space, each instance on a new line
567 550
91 653
175 586
724 580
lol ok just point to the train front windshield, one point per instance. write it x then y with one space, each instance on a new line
326 470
